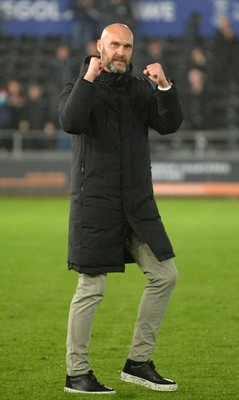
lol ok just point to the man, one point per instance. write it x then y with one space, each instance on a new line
114 218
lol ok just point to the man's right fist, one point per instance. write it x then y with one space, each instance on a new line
96 66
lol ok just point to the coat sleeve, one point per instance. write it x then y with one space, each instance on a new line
166 113
75 106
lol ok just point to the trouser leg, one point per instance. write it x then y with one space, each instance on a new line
161 279
89 293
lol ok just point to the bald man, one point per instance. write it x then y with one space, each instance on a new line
114 219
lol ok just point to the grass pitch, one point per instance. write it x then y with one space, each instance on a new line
198 342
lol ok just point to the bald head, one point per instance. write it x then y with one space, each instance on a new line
115 47
117 29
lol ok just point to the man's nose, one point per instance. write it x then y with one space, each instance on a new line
121 50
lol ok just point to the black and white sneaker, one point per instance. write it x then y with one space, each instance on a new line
86 384
144 373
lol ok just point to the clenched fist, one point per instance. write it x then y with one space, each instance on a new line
156 74
96 66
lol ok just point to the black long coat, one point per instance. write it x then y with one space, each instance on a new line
111 184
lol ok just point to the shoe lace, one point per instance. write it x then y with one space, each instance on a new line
93 378
152 366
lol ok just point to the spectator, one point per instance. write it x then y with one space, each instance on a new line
192 30
91 48
198 59
5 109
152 52
5 118
17 99
225 45
85 23
196 101
61 69
118 11
35 116
12 99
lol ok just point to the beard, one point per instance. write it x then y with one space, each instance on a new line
116 70
110 63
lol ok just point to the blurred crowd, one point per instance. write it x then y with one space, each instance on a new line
34 71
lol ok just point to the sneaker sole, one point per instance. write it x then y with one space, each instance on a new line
69 390
150 385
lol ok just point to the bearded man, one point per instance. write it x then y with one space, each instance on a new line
114 219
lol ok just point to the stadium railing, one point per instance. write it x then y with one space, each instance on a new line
182 144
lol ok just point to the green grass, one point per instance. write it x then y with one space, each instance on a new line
198 343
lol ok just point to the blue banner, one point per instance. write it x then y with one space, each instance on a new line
159 17
170 17
35 17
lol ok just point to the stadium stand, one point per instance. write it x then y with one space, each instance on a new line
210 98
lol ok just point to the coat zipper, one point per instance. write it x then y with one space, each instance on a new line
82 156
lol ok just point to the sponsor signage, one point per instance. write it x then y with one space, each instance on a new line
195 171
155 17
179 178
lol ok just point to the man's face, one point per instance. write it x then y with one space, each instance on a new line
116 50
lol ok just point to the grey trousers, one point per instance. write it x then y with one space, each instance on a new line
161 279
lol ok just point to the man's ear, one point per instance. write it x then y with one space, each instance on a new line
99 45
